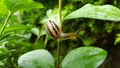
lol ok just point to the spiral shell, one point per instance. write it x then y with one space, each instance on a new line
53 29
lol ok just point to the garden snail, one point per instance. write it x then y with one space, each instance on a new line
54 31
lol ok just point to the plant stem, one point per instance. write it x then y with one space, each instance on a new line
58 54
59 15
36 40
19 17
5 23
58 41
45 43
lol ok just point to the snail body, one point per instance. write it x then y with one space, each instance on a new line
65 36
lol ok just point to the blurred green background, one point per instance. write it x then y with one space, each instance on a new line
25 32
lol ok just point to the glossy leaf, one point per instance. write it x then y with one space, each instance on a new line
14 5
36 59
105 12
84 57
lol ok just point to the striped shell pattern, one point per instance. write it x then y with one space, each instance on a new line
53 29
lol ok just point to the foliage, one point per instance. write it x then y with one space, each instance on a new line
22 32
18 4
117 39
36 59
84 57
105 12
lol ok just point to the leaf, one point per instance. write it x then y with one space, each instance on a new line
26 44
3 8
49 12
88 41
3 53
117 39
43 32
105 12
16 28
35 31
84 57
14 5
36 59
83 1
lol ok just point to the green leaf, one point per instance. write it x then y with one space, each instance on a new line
15 28
83 1
43 32
36 59
26 44
3 8
87 41
14 5
117 39
105 12
84 57
35 31
49 12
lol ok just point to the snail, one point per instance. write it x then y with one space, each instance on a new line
55 32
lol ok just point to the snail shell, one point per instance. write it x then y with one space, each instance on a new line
53 29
